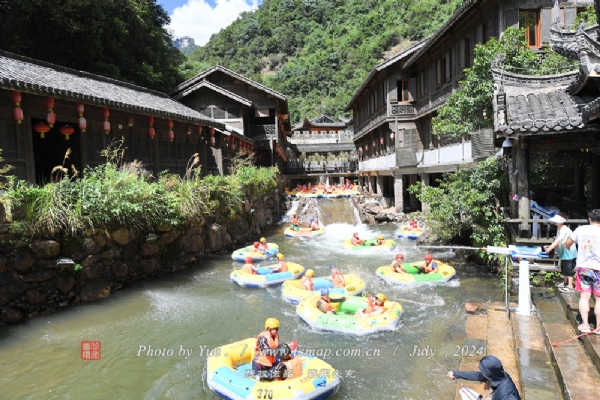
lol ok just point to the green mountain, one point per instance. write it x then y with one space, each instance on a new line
317 52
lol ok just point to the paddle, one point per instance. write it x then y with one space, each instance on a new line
597 329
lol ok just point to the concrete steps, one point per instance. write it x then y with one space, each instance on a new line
575 370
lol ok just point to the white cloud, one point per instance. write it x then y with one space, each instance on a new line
199 20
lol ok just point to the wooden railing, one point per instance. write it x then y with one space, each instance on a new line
542 231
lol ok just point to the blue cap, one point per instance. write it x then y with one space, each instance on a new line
324 292
331 267
312 219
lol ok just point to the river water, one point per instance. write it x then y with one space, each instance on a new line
155 336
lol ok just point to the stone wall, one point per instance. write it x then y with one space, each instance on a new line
34 281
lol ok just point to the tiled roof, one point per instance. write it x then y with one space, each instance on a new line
206 84
322 121
192 81
322 147
33 76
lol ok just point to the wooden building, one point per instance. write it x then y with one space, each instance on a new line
158 131
553 120
246 107
394 106
322 147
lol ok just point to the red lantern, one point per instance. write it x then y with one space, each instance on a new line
170 135
18 112
106 124
381 140
80 109
212 136
199 128
41 128
366 147
212 130
374 143
392 136
151 131
51 116
82 122
212 140
66 130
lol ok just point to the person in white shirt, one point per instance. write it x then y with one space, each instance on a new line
587 273
567 257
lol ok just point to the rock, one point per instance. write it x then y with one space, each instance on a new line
90 260
34 297
475 308
23 261
38 275
45 248
62 282
64 303
95 290
90 246
149 266
111 253
11 316
192 243
164 228
381 217
168 237
119 270
91 273
10 288
149 249
372 208
122 236
185 260
77 256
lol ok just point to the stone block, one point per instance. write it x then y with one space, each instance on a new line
35 297
38 275
95 290
168 237
12 316
23 261
91 273
149 266
119 270
149 249
45 249
122 236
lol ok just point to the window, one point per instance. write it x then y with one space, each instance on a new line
403 90
467 60
443 75
530 21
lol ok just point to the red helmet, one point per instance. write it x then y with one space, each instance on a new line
355 234
256 244
401 256
428 257
293 345
248 260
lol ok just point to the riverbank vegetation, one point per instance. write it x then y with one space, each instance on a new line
117 194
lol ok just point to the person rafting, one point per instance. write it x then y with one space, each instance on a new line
336 277
396 264
314 224
249 267
263 246
429 266
375 306
356 241
281 265
265 351
295 222
380 240
307 283
495 378
288 365
324 302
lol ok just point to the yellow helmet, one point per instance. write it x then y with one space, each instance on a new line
380 237
262 239
310 273
381 297
280 256
271 323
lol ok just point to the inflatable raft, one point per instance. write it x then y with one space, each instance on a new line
369 244
248 251
229 374
406 232
266 277
292 290
345 321
303 232
526 251
444 274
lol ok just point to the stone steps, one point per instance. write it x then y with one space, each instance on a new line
576 373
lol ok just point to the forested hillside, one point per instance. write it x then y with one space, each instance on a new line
317 52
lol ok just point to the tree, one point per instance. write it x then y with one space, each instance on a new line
121 39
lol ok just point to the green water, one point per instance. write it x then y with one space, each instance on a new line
201 309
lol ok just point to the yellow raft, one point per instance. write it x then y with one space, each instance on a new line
248 251
407 232
266 277
369 244
292 290
345 321
229 374
303 232
444 273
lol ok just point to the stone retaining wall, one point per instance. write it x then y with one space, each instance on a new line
34 282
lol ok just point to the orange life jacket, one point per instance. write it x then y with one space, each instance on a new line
261 358
294 365
356 241
314 226
338 280
282 266
325 305
307 284
248 269
428 267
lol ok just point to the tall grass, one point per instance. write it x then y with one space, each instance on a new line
115 194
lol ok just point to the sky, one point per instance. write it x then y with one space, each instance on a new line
200 19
